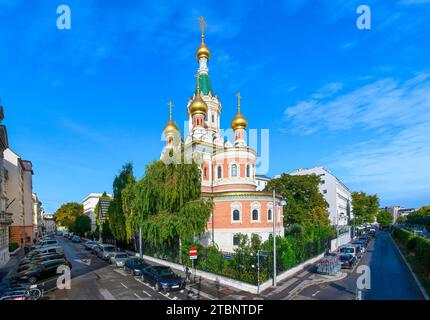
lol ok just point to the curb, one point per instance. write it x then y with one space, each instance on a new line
305 284
420 286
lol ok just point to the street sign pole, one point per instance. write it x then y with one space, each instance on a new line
258 272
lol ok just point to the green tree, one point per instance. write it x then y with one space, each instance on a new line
306 206
68 213
117 215
81 225
168 204
384 218
366 207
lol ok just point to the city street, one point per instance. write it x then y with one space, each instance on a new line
94 279
390 277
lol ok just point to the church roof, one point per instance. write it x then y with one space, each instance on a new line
205 85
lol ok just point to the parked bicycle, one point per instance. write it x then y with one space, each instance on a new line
23 292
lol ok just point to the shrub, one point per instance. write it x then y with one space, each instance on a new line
422 251
13 246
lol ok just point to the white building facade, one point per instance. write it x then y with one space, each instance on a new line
335 192
19 191
5 216
90 202
262 182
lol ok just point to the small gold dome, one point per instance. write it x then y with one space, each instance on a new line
239 122
198 106
171 127
203 51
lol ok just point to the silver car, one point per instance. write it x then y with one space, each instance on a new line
118 259
105 251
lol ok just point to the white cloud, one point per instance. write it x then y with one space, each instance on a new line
393 159
383 102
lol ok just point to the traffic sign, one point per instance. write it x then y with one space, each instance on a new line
193 253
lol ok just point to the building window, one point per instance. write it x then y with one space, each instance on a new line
236 215
205 170
322 181
324 191
255 215
219 170
213 118
269 215
236 240
234 170
248 170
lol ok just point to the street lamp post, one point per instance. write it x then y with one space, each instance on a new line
274 217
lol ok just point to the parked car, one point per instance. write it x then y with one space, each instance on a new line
163 278
71 234
350 249
118 259
135 266
76 239
59 233
66 235
347 260
45 250
37 272
105 251
89 244
41 257
45 243
95 249
365 238
361 249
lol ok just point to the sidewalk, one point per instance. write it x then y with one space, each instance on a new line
7 271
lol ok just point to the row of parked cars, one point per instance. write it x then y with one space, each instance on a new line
160 277
348 255
42 261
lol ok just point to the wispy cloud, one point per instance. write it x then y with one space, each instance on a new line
393 115
381 103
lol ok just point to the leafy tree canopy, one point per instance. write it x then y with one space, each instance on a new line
168 204
366 207
81 225
306 206
117 214
384 218
68 213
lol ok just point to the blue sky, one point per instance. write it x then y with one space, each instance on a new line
80 103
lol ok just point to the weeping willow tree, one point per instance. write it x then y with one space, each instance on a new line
117 215
167 203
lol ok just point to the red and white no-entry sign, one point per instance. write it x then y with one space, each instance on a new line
193 253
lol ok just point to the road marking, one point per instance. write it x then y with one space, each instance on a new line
140 298
304 273
175 298
201 293
165 295
316 293
86 262
149 295
124 285
120 272
285 285
106 294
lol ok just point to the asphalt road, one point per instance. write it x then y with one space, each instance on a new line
390 277
94 279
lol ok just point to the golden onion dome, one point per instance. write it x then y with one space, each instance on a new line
239 122
198 106
171 127
203 51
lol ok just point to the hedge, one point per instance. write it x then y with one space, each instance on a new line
13 246
419 246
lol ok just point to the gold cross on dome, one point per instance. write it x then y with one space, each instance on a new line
239 97
203 24
170 106
197 75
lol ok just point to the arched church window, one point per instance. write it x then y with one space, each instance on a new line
248 170
236 215
255 215
269 214
205 172
219 169
234 170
